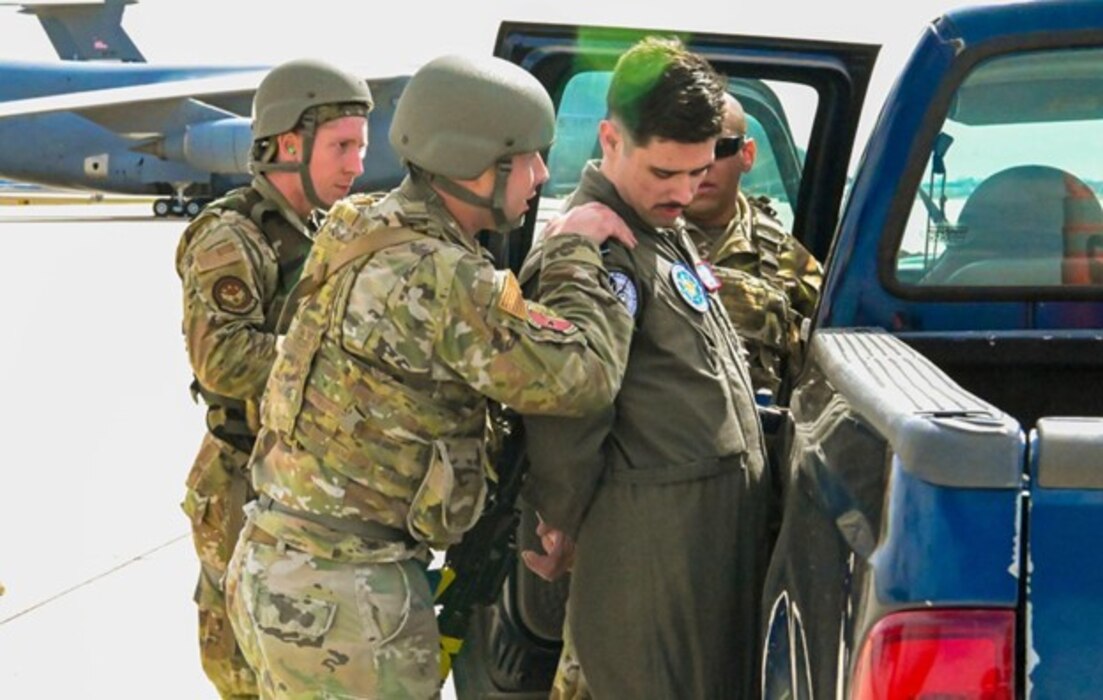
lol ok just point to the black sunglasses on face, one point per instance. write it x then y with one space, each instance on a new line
728 146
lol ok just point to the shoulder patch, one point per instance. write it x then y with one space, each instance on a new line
512 301
542 317
219 256
233 296
625 290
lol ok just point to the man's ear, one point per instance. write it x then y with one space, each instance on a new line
290 147
748 153
609 137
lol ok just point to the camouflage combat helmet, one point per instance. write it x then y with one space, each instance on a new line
459 116
302 94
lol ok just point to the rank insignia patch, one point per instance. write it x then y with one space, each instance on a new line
689 287
233 295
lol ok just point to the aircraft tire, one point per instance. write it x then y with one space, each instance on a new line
161 208
193 207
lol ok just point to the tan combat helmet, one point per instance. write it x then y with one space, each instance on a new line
459 116
302 94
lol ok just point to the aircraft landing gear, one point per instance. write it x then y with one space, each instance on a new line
172 206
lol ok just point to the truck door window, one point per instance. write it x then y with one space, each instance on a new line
1009 197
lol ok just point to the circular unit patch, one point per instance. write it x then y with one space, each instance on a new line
233 295
689 287
626 291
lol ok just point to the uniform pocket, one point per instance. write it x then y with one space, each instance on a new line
450 498
292 619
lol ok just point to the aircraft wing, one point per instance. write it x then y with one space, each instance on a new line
141 111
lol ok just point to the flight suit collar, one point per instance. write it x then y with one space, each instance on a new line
269 191
593 185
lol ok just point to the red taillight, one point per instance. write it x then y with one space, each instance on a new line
938 655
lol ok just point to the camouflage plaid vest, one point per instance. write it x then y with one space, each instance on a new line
354 437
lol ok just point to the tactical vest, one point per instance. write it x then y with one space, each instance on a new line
227 417
755 294
344 436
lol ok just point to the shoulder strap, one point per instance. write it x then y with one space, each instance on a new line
767 236
355 249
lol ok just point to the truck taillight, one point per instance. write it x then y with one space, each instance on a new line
938 655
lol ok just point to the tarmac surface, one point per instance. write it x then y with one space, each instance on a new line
97 433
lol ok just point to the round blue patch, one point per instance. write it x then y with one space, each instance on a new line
626 291
689 287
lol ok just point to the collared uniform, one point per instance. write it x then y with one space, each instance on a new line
770 284
664 492
374 438
237 262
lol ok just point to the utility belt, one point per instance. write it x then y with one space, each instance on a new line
361 528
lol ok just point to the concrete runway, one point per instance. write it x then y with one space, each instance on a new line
98 433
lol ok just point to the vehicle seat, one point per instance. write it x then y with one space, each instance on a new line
1016 228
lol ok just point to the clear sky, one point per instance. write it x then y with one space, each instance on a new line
381 38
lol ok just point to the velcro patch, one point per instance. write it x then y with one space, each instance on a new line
232 295
219 256
538 318
512 301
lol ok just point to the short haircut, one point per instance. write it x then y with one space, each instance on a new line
660 89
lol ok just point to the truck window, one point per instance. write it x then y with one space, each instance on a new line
777 167
1009 197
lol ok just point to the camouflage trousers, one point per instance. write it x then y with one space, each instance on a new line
217 489
570 682
318 628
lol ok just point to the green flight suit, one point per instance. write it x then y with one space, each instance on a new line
237 262
665 493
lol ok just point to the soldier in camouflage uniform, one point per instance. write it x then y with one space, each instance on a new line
237 261
770 282
374 438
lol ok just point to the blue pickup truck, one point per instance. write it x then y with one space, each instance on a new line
941 456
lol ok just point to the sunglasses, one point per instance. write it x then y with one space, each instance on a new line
728 146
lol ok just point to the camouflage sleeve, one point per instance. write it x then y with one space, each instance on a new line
806 278
564 356
224 311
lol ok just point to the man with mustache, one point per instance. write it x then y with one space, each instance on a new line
238 261
665 492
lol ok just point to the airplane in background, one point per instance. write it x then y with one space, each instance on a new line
102 119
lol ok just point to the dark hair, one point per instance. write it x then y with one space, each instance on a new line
661 89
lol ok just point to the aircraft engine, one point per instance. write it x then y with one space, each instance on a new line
220 146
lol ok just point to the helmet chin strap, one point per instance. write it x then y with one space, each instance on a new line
495 202
309 126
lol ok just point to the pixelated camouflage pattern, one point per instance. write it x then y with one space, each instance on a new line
215 486
569 682
231 354
766 308
316 628
377 408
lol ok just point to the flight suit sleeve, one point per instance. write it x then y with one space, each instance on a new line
224 311
563 356
567 456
